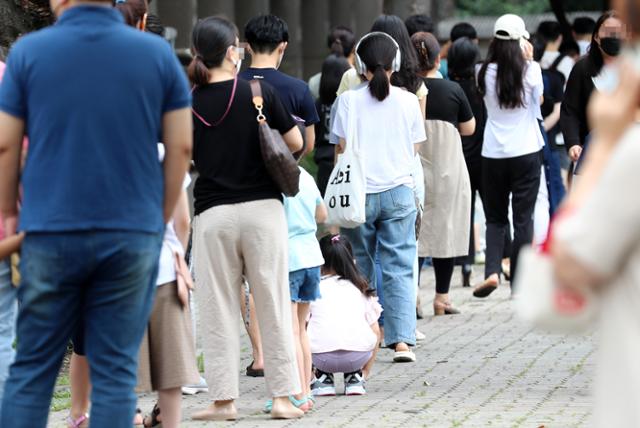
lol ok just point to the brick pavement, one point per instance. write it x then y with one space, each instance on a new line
482 368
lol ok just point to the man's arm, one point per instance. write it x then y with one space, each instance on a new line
177 134
11 135
310 136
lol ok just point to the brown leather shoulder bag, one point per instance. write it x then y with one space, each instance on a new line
278 159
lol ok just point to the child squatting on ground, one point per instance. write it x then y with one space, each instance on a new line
343 325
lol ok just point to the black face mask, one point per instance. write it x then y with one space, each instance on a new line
610 45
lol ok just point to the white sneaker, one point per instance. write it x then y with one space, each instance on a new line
420 335
354 384
196 389
404 357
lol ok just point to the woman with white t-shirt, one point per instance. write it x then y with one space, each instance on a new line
390 124
512 87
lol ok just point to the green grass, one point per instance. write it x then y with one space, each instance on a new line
61 400
201 363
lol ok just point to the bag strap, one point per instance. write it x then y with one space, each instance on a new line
258 100
554 65
226 112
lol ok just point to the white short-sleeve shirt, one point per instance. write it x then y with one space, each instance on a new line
387 131
513 132
341 319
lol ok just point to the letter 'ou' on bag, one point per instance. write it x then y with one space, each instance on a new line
347 187
280 163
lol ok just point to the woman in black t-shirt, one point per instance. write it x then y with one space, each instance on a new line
239 227
332 70
445 230
462 59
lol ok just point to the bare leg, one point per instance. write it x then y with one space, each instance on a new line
303 313
299 355
80 385
169 402
366 370
253 330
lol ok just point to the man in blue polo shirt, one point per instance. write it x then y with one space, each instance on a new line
268 36
94 96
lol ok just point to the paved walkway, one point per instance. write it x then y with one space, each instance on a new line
482 368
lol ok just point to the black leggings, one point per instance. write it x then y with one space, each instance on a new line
443 269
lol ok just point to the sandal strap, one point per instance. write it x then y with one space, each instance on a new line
298 403
75 423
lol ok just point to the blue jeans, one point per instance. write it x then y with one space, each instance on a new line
7 322
304 285
390 227
106 278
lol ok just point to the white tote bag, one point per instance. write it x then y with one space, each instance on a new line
545 305
347 188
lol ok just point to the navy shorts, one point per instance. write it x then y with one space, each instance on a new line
304 285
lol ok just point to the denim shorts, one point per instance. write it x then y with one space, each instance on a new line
305 285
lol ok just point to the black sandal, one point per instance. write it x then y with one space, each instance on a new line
251 372
154 418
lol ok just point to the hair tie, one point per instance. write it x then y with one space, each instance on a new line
335 239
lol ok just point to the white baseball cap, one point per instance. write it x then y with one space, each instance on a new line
510 27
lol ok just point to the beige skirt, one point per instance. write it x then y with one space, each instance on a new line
167 356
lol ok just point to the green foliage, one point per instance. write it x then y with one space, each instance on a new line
61 400
519 7
309 164
499 7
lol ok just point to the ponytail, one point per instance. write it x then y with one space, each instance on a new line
210 40
378 53
338 256
198 71
379 84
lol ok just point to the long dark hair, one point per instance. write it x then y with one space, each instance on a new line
211 38
338 257
462 59
333 68
341 41
511 65
595 54
407 77
378 52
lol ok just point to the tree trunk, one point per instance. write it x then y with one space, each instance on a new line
315 24
365 11
557 7
20 17
247 9
180 15
341 13
224 8
289 11
406 8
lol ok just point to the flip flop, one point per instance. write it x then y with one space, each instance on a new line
154 418
80 422
251 372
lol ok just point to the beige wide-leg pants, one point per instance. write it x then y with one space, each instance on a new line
231 242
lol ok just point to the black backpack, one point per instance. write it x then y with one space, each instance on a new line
553 81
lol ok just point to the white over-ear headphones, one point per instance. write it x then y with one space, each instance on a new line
361 67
